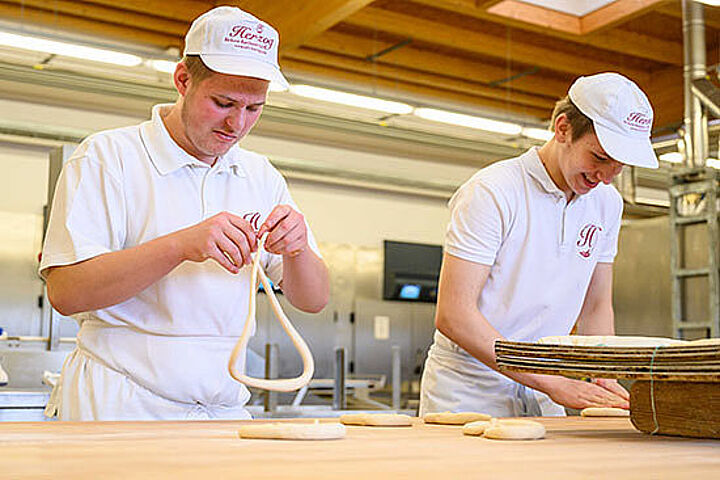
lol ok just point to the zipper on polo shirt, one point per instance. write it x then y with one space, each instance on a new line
203 192
565 205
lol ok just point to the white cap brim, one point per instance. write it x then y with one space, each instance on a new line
637 152
246 67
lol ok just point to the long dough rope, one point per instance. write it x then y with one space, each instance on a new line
280 385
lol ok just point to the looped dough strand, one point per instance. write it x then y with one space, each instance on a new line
279 385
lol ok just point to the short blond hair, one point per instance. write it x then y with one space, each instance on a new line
196 67
580 124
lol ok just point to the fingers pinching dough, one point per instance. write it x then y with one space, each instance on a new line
452 418
376 419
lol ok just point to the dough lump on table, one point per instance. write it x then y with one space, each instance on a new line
604 412
475 428
376 419
514 430
293 431
459 418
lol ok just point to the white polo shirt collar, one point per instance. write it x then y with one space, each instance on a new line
167 156
536 169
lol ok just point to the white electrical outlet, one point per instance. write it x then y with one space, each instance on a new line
381 328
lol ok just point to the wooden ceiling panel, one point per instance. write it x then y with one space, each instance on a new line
26 16
639 44
419 77
299 21
655 25
182 10
473 40
452 50
105 14
440 61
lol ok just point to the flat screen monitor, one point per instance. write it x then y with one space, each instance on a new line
411 271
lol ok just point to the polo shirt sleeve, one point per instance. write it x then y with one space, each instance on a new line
273 263
610 241
88 211
476 227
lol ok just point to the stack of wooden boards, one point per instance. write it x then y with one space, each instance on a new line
678 387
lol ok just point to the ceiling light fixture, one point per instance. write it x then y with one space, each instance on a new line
164 66
538 133
69 49
469 121
350 99
713 163
672 157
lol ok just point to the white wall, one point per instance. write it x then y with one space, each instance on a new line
365 217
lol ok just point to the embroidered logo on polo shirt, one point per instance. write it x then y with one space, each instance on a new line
253 218
586 239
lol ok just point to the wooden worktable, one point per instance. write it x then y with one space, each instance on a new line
575 447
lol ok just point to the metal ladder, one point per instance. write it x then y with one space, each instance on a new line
693 201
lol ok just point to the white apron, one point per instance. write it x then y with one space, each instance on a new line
117 373
455 381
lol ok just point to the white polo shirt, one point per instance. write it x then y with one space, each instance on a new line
127 186
542 252
542 249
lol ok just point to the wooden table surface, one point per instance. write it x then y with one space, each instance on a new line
577 448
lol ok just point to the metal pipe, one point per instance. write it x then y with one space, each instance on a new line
339 384
694 67
396 377
271 372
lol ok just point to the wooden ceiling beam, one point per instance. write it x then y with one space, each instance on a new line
665 92
421 78
72 24
712 16
406 91
182 10
299 21
474 41
435 63
616 13
614 40
107 15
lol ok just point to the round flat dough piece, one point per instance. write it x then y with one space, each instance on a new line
604 412
293 431
452 418
376 419
475 428
514 430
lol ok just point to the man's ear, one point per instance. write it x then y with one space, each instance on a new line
563 130
181 78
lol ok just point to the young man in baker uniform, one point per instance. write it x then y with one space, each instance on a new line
152 231
529 252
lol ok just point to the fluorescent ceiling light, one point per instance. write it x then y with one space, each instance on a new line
69 50
672 157
163 66
538 133
469 121
713 162
351 99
